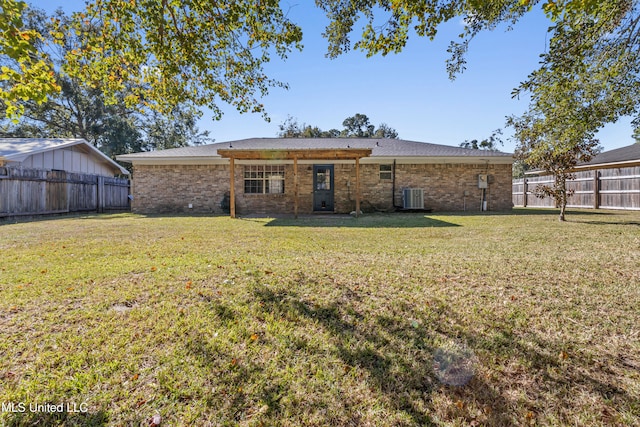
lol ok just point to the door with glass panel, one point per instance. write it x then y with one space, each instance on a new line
323 188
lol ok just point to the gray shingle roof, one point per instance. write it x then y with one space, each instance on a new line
18 149
623 154
379 147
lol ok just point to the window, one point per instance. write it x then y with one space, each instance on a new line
264 179
385 171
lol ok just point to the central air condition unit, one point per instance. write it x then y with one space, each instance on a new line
413 198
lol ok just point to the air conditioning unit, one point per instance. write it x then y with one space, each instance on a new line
413 198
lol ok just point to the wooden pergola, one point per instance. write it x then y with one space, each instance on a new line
295 155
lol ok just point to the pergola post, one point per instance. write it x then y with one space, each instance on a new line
295 186
357 186
232 190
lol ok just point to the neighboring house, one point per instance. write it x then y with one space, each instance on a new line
309 175
50 176
70 155
611 180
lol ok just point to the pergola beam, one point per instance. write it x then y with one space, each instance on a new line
308 154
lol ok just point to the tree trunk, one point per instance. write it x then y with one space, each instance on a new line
563 197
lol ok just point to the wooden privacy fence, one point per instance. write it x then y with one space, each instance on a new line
40 192
617 188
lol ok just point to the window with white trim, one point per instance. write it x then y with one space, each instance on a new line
264 179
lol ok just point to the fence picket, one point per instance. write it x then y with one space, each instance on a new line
25 191
615 188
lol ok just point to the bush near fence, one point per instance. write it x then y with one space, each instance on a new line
25 191
616 188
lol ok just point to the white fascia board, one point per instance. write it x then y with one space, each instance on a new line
410 160
582 168
627 163
201 160
173 160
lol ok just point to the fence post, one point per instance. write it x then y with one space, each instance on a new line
524 192
100 201
596 189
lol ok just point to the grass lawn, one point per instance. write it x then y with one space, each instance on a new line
385 320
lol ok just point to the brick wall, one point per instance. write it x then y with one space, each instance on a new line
170 189
447 187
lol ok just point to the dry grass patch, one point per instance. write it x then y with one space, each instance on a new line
323 321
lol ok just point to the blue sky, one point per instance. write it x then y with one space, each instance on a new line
410 91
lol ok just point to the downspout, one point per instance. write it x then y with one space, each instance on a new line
393 186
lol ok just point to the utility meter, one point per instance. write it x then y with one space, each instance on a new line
483 181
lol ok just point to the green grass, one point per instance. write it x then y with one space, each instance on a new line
323 321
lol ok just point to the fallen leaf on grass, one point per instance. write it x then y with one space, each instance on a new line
155 420
254 337
459 404
563 355
153 269
134 377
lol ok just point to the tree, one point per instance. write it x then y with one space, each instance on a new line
489 144
385 131
25 72
556 134
572 96
357 126
290 128
197 52
81 111
559 159
596 40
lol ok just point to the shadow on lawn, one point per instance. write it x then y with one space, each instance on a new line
551 374
88 419
365 221
396 356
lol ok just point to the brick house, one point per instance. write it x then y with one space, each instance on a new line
308 175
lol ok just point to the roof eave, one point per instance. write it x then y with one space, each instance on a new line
587 167
621 164
162 160
492 160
